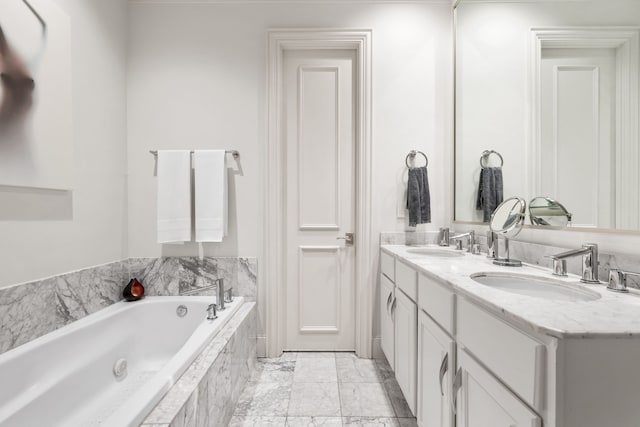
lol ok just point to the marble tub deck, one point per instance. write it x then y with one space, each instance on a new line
322 389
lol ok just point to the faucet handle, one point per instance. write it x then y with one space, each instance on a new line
228 295
559 265
212 313
618 280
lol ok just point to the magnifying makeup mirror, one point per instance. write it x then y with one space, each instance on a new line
508 219
548 212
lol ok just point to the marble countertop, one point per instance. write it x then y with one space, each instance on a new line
612 315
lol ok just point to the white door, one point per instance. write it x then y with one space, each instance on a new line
319 112
578 95
405 317
386 321
485 402
436 367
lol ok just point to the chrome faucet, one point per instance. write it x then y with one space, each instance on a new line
492 245
618 280
223 296
458 239
443 236
589 253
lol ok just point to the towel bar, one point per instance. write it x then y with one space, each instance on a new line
412 154
485 156
234 153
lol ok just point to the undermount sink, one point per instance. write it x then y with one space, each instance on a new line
435 252
534 286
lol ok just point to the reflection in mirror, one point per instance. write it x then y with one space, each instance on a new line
548 212
554 87
508 219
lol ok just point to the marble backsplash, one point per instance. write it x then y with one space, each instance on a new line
531 253
30 310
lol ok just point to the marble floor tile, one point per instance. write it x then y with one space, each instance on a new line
242 421
264 399
384 369
350 354
314 422
408 422
315 370
370 422
314 399
354 370
397 399
275 370
316 354
365 399
289 355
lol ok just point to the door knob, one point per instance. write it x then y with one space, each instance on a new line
348 239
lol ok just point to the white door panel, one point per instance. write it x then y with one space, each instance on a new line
320 143
578 88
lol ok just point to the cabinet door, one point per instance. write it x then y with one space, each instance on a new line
386 322
405 316
436 367
485 402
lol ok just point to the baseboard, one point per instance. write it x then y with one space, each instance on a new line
261 347
377 348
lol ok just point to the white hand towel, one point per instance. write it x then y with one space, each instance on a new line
211 195
174 196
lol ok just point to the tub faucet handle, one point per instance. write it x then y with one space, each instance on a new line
228 295
212 312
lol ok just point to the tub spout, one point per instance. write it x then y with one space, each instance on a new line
220 299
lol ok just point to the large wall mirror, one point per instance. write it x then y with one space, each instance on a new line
547 106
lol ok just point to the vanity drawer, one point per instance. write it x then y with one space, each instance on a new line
407 280
388 266
437 301
516 358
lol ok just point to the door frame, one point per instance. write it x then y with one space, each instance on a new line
273 271
626 42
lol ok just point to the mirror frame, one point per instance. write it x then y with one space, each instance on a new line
598 230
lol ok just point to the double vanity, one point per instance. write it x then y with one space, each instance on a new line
473 344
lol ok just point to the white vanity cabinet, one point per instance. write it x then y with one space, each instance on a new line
405 313
436 362
387 341
399 323
485 402
436 353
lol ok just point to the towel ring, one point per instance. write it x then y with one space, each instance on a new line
485 157
413 154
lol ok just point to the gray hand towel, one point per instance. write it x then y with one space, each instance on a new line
490 192
418 197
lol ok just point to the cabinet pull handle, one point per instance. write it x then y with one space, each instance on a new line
393 307
457 383
444 366
389 302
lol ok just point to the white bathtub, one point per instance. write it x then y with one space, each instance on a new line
66 378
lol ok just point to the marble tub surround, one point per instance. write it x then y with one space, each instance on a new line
322 389
208 391
177 275
30 310
613 315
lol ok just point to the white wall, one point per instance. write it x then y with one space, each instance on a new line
44 233
197 79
